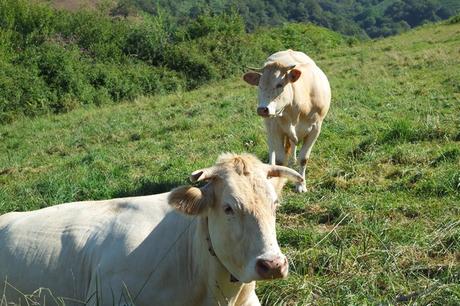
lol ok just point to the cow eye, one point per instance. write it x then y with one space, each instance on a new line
228 210
279 85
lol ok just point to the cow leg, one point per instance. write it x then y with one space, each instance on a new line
247 296
304 154
290 151
276 156
293 153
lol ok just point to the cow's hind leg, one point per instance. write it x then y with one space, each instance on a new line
304 154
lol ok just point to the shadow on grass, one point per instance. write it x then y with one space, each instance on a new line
148 188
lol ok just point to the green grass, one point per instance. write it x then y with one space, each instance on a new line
380 224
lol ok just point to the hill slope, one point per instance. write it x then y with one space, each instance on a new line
380 223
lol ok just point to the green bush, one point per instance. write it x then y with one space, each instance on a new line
32 23
308 38
454 20
223 24
150 39
98 36
22 91
188 59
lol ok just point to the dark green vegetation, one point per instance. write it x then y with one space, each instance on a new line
373 18
380 224
54 61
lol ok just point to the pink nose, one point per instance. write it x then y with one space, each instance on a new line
272 268
262 111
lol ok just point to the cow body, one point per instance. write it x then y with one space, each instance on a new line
294 98
95 248
149 250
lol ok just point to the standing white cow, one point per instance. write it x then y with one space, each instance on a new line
294 98
190 246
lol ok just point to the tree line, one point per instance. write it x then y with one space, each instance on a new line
363 18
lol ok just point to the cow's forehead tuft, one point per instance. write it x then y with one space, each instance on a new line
272 66
243 164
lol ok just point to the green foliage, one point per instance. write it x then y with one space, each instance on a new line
455 19
54 61
305 37
31 23
151 39
205 24
21 91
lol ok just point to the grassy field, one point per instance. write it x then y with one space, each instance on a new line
380 224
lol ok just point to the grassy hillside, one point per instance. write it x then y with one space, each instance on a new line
381 221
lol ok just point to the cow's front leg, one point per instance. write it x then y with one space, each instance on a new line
276 156
275 140
293 153
304 154
248 296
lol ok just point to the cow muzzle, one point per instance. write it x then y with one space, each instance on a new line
263 111
276 267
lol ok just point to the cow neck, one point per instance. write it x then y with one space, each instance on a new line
233 279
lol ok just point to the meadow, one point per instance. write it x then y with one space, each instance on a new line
380 224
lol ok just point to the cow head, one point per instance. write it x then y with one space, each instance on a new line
240 203
275 90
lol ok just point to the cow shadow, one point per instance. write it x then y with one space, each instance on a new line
148 188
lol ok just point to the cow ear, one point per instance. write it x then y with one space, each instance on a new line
252 78
294 75
189 200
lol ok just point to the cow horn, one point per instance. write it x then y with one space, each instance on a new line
202 174
260 70
281 171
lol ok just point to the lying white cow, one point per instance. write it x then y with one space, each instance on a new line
190 246
294 98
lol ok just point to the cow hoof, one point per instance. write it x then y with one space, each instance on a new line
300 188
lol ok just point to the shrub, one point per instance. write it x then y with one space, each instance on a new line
454 20
308 38
150 39
223 24
22 91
